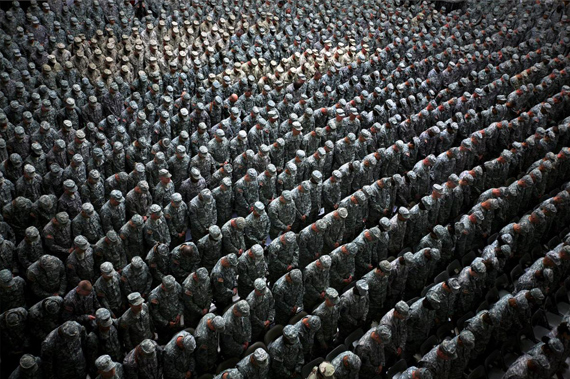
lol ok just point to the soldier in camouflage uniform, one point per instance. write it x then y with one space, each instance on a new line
166 307
370 349
316 280
47 277
251 265
70 201
262 308
112 213
396 320
329 313
287 354
282 214
44 317
178 357
343 265
207 335
246 193
378 284
237 332
164 189
257 226
110 249
80 262
29 367
11 291
288 293
136 277
30 249
440 358
155 227
421 320
255 365
57 235
88 224
108 290
80 304
481 326
197 296
138 200
62 352
346 365
103 339
132 235
158 261
202 213
224 280
136 323
224 196
177 218
210 247
283 255
93 190
464 344
353 307
311 242
146 361
233 238
267 184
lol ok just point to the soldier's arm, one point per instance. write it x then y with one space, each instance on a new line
155 312
274 219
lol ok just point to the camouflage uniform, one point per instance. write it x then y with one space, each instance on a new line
103 339
44 317
197 296
316 280
178 357
251 266
47 277
237 333
133 236
378 284
80 263
287 354
136 323
207 334
108 290
370 349
177 218
346 365
202 214
62 353
110 249
224 280
288 293
112 213
281 213
144 361
224 195
257 225
342 269
88 224
156 228
11 291
233 238
353 307
136 277
255 365
166 306
158 261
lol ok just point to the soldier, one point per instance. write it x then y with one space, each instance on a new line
177 218
104 338
80 263
398 230
80 304
192 186
246 193
132 235
110 249
70 201
112 213
288 292
311 241
396 320
464 343
197 296
282 214
210 247
165 188
29 367
346 365
57 235
224 280
334 233
370 349
166 306
416 373
107 369
92 190
324 370
44 317
237 334
202 214
178 357
62 352
184 259
287 354
267 184
11 291
316 281
448 292
343 266
257 225
367 252
378 284
207 335
136 323
138 200
440 358
283 255
144 361
155 227
527 366
108 290
421 320
223 195
233 238
255 365
88 224
251 266
47 277
353 307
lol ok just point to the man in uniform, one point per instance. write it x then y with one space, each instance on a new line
145 360
353 307
257 225
316 280
287 354
370 349
237 333
224 280
47 277
136 323
178 356
255 365
207 335
288 293
62 352
166 307
251 266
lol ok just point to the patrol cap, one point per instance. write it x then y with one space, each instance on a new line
448 348
32 232
537 294
69 185
168 282
404 213
117 195
240 223
62 218
384 332
242 307
296 276
259 284
402 308
81 242
112 236
467 338
69 329
478 267
434 299
385 267
107 268
232 259
362 287
135 298
148 347
27 361
286 195
325 261
290 333
261 357
6 278
103 317
454 284
104 363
